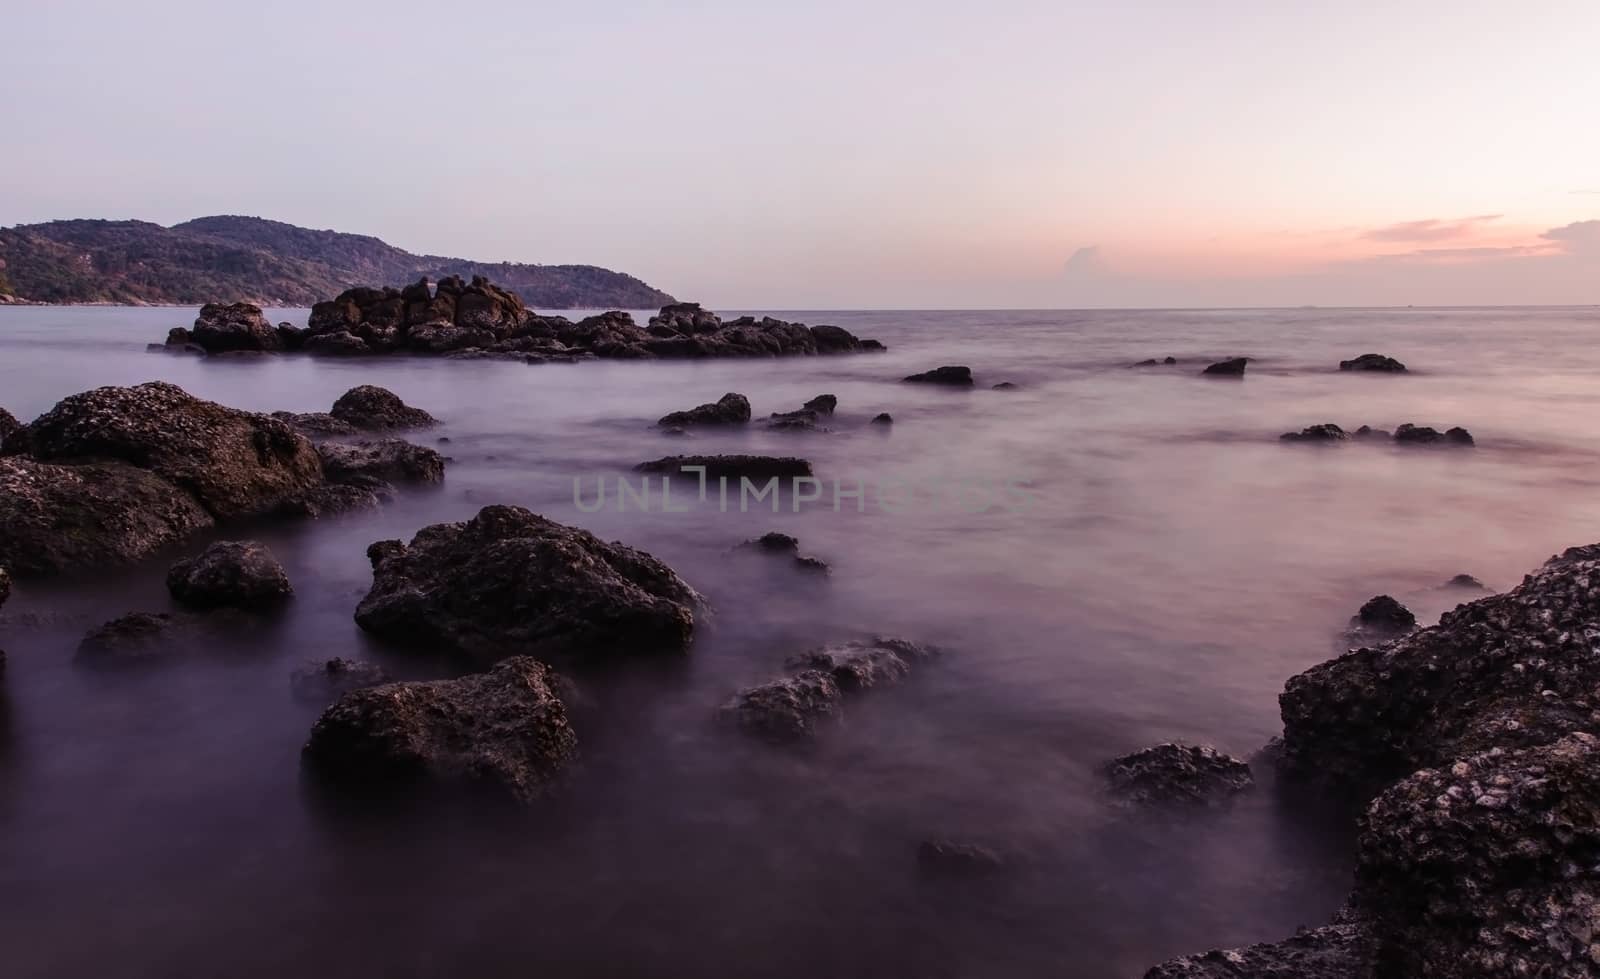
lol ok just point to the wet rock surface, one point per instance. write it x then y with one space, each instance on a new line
1373 362
795 706
1342 950
730 466
5 585
1383 615
326 681
1177 774
883 418
730 409
230 574
369 408
505 730
822 404
380 461
510 582
952 376
858 664
1228 368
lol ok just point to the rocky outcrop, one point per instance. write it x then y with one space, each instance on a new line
230 574
1341 950
729 466
775 543
1422 435
1228 368
1328 432
822 404
1368 432
505 731
730 409
337 498
1177 774
55 519
228 328
510 582
316 423
233 462
1373 362
369 408
792 707
952 376
326 681
1384 615
370 464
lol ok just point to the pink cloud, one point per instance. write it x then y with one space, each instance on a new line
1433 229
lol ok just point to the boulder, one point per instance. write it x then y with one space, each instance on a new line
230 574
510 582
336 498
237 326
1368 432
1328 432
953 376
785 709
730 409
858 664
1228 368
369 408
1152 362
883 418
1384 614
730 466
775 543
1177 774
505 730
822 404
382 461
812 564
233 462
803 420
326 681
1373 362
55 518
835 340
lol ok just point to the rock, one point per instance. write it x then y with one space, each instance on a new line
1228 368
505 730
1169 360
1385 614
384 461
55 519
947 858
950 375
786 709
1466 581
369 408
804 420
1328 432
230 574
237 326
862 663
811 564
1174 773
775 542
233 462
730 409
328 680
1342 950
1373 362
1422 435
133 638
315 423
327 501
1458 436
1368 432
339 343
883 418
822 404
1003 386
730 466
509 582
8 424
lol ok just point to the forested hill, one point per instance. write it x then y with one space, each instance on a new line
228 258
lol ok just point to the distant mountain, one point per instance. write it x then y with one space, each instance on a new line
229 258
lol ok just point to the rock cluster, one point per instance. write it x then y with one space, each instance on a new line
1404 435
1422 435
793 707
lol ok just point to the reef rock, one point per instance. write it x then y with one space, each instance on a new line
1177 774
383 461
786 709
1328 432
369 408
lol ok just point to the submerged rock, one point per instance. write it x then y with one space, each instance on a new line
230 574
775 542
56 518
510 582
1003 386
1373 362
1368 432
1328 432
1466 581
823 404
132 638
384 461
315 423
861 663
369 408
505 730
1152 362
785 709
1422 435
953 376
730 466
1175 773
1228 368
730 409
339 343
326 681
883 418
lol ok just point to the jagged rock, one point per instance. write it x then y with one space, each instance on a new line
1228 368
953 376
1317 433
56 518
861 663
883 418
230 574
1341 950
224 328
730 409
8 424
369 408
505 730
822 404
1384 614
326 681
1465 581
384 461
1373 362
1174 773
1422 435
730 466
233 462
786 709
511 582
948 858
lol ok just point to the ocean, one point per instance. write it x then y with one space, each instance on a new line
1155 564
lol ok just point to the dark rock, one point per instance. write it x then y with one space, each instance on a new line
883 418
803 420
385 460
373 409
822 404
950 375
834 340
1175 773
776 543
731 466
237 326
1458 436
786 709
336 498
505 730
872 346
230 574
8 424
315 423
137 635
1342 950
1147 362
1003 386
1228 368
55 519
947 858
1368 432
1422 435
509 582
328 680
1385 614
1169 360
811 564
862 663
234 462
1466 581
730 409
339 343
1373 362
1328 432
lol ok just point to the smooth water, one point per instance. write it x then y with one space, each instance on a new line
1174 564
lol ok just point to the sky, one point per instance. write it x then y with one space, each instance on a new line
865 154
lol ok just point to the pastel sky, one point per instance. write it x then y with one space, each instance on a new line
870 153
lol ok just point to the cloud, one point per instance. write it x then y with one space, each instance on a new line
1085 263
1577 238
1433 229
